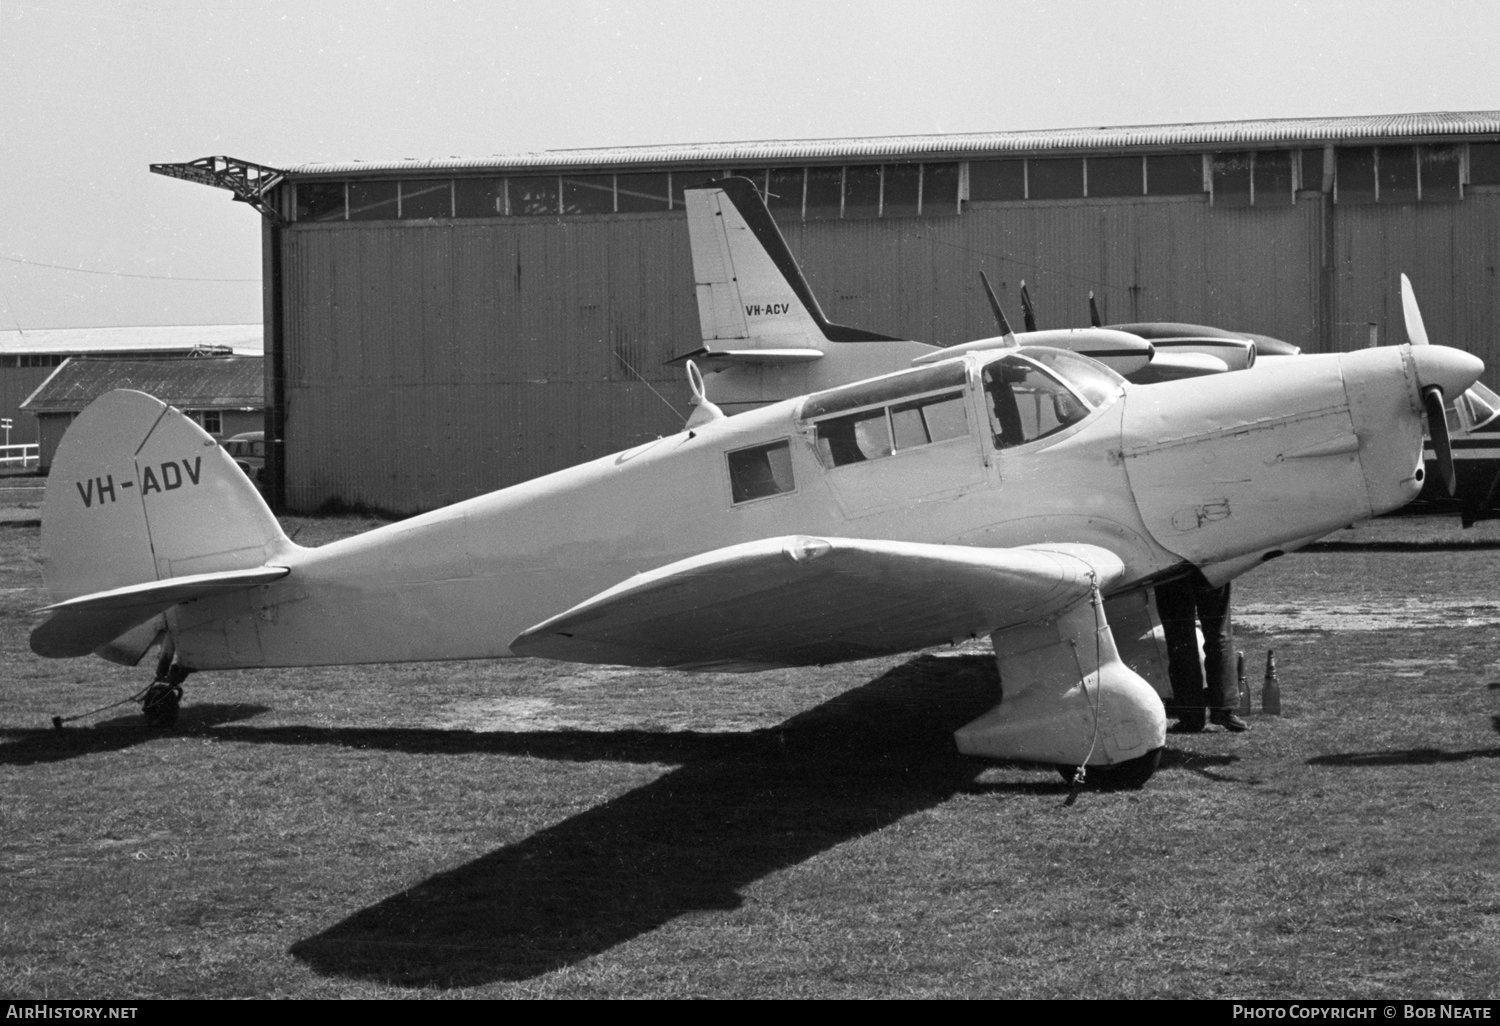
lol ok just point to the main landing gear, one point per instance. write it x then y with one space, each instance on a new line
1130 775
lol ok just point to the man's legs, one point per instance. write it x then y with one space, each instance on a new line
1222 692
1179 620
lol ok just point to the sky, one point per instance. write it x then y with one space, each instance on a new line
95 90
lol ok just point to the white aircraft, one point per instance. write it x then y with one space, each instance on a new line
765 337
1028 495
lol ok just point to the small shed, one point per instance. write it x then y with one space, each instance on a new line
224 394
27 357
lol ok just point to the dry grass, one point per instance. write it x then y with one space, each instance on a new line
528 828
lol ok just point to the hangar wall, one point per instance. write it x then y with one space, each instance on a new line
430 362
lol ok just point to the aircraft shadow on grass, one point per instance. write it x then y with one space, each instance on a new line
738 807
26 746
1408 756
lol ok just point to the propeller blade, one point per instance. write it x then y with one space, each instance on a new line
1437 428
1028 311
1094 317
995 306
1416 331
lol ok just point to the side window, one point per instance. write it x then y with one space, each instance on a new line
872 434
855 438
934 419
761 471
1026 403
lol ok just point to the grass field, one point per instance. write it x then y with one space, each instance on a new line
524 828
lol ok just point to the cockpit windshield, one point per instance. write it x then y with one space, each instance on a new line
1484 405
1092 379
1036 392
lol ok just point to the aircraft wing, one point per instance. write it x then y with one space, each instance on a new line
80 625
798 601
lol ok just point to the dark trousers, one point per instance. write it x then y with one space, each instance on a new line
1182 605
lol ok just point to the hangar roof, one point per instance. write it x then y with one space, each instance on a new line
1204 135
242 339
205 382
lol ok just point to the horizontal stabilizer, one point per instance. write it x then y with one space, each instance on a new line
712 357
798 601
80 625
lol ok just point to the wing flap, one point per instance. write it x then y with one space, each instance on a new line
81 625
798 601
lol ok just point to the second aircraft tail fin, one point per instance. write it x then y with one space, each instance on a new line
751 293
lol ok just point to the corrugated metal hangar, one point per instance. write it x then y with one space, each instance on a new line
439 328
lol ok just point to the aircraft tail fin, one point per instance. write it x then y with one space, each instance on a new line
751 292
138 493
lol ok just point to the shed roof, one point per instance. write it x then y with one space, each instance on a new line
243 339
200 383
1269 132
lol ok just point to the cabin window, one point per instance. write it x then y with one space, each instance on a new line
760 472
934 419
1026 403
855 438
871 434
945 376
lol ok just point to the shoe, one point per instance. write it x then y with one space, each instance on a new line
1229 720
1188 723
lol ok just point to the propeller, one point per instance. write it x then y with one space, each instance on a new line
1416 331
1027 310
1432 395
1094 318
995 306
1437 427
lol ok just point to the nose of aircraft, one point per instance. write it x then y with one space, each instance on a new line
1452 369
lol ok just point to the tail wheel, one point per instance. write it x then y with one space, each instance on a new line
161 704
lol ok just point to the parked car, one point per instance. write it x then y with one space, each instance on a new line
249 451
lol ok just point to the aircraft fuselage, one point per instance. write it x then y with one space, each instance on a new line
1212 472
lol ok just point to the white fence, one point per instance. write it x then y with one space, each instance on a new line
22 455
